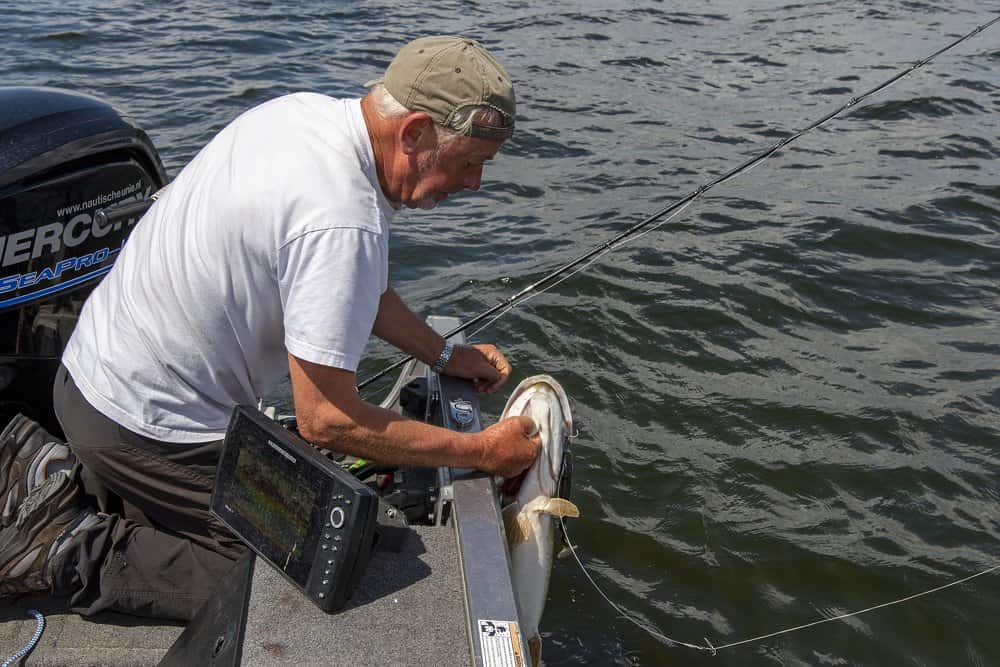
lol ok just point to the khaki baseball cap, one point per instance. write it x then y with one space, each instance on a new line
443 75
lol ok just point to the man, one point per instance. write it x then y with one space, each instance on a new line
267 255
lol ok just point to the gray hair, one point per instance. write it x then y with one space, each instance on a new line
461 123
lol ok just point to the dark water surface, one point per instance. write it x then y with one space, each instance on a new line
788 400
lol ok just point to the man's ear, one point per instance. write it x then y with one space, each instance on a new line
413 132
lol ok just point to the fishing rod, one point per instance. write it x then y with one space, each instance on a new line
681 203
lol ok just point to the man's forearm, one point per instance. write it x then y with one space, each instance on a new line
399 326
371 432
331 414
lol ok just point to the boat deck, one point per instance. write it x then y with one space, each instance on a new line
409 609
107 639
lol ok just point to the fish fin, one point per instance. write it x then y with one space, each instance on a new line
559 507
516 524
535 649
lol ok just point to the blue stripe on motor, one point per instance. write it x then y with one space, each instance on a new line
55 288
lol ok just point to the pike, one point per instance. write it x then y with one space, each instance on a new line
532 500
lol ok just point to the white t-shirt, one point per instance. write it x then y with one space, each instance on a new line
273 240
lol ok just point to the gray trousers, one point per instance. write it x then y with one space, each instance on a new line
156 551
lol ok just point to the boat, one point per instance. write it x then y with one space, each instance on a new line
76 174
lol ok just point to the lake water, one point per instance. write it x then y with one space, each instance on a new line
788 399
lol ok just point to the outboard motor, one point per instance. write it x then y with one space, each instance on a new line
64 156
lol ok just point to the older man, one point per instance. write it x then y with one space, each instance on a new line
267 256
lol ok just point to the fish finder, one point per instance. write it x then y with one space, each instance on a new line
311 520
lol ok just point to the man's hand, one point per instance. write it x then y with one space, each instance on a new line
485 365
510 446
397 325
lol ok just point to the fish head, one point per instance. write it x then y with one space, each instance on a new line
551 429
543 399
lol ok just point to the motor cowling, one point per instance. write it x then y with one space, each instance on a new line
63 157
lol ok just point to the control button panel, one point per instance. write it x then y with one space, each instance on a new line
332 539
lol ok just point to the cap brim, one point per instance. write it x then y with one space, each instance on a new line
374 82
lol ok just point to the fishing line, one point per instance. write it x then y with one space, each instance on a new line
676 206
708 646
674 209
582 267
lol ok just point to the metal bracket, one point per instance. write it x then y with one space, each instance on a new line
475 511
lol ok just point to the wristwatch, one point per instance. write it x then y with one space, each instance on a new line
442 360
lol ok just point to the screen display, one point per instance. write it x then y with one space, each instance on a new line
277 499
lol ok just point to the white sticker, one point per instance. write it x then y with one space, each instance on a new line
501 644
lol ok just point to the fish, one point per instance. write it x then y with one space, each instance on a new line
531 501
